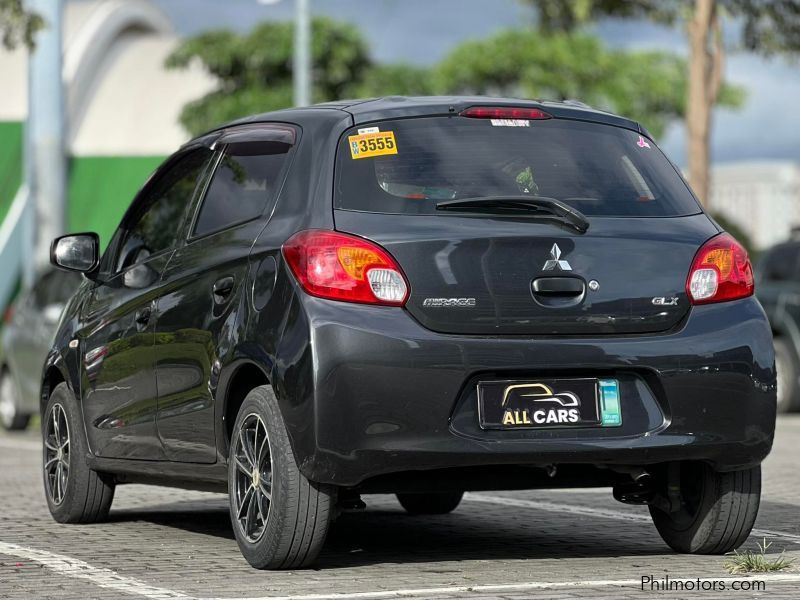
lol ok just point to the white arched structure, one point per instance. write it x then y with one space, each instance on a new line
96 39
120 99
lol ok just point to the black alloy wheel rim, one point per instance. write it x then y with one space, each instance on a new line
56 454
252 484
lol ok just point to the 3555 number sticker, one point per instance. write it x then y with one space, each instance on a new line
378 143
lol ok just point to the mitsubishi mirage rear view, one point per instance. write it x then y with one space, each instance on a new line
421 297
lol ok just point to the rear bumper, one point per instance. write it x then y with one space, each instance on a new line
390 396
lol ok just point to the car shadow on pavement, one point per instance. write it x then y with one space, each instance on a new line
387 536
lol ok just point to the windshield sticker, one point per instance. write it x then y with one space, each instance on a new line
642 143
368 130
366 145
511 123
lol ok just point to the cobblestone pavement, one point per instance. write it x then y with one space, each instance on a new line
163 543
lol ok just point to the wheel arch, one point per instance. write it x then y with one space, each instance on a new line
53 376
242 377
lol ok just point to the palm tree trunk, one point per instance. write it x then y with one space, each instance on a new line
706 58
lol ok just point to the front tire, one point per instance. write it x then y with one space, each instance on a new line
11 418
433 503
75 493
279 517
717 511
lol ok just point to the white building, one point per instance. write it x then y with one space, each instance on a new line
122 109
762 197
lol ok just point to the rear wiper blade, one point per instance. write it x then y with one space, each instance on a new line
542 204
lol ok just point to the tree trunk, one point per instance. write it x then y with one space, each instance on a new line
706 56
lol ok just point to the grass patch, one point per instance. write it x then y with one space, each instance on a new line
756 562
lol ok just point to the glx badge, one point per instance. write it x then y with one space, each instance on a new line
555 261
661 301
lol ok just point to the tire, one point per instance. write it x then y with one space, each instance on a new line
298 511
717 513
788 392
10 417
438 503
78 495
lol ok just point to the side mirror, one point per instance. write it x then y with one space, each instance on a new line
77 252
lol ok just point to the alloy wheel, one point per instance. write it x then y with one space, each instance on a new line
253 481
56 453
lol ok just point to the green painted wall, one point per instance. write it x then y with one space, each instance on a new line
10 163
101 189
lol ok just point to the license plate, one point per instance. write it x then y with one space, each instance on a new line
549 403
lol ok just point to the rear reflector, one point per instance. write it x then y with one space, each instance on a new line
721 271
504 112
337 266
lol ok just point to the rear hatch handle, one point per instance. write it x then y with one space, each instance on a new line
520 204
557 292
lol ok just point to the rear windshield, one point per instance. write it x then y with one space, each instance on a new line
407 166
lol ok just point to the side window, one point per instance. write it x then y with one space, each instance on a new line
154 226
246 179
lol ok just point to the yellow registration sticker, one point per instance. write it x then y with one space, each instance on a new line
377 143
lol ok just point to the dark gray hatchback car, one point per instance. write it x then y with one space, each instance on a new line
418 296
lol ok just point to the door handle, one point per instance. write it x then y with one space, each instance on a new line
222 289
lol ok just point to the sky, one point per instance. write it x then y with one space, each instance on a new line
423 31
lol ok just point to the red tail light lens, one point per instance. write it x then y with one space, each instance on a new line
504 112
721 271
337 266
8 314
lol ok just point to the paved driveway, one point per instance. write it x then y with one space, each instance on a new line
163 543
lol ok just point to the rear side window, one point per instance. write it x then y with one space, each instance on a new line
599 169
246 179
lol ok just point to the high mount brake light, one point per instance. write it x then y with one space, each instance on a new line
504 112
337 266
721 271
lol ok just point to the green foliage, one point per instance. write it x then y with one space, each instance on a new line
569 15
768 26
255 70
393 80
649 86
18 26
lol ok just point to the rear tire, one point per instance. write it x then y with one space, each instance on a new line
279 517
434 503
717 511
788 396
11 418
75 493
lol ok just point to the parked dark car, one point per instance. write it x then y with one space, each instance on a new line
29 325
418 296
779 292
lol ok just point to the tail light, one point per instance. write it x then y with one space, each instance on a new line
8 314
721 271
337 266
505 112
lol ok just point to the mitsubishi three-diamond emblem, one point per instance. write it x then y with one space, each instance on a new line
554 262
